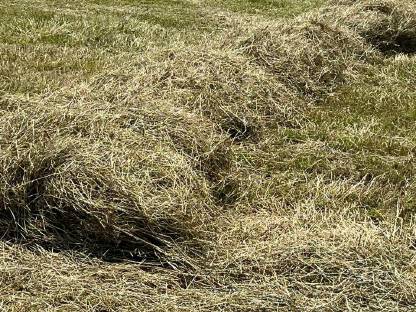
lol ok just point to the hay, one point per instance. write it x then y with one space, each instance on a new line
309 55
240 98
390 26
87 181
140 157
215 172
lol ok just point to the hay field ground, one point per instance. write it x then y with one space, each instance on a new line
207 155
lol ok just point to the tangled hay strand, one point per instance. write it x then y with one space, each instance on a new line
388 25
309 55
341 252
237 97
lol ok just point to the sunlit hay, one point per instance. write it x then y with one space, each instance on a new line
237 98
218 174
139 157
309 55
137 97
339 251
240 97
72 182
390 26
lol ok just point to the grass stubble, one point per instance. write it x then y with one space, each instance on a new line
229 162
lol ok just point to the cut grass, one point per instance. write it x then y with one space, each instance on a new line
228 160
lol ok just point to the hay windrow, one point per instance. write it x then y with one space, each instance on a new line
244 164
144 153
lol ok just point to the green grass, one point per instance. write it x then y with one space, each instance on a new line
272 8
86 30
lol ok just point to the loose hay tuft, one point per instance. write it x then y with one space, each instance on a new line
390 26
309 55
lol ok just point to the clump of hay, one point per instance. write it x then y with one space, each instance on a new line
95 182
388 25
223 86
308 55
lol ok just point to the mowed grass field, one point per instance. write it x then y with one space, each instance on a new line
207 155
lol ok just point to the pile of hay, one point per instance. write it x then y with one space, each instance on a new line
309 55
221 167
388 25
240 98
86 177
138 160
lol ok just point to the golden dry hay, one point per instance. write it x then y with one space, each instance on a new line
240 168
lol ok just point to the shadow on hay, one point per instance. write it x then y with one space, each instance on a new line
392 45
31 217
389 26
67 232
396 31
